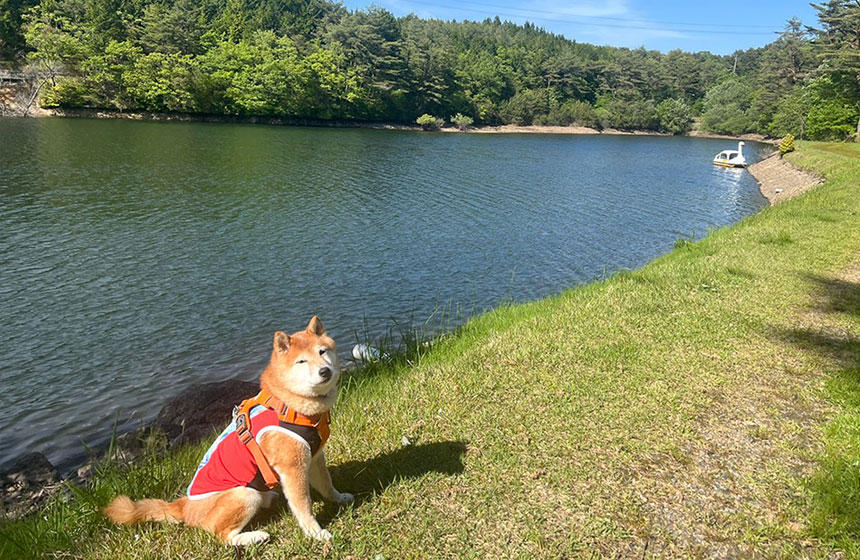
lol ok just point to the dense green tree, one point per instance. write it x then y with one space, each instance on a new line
162 82
316 59
571 112
104 75
372 43
486 81
790 115
785 63
838 43
524 107
232 23
728 108
675 116
56 35
12 42
263 75
832 107
429 75
170 29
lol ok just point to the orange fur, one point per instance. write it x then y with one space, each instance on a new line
125 512
227 512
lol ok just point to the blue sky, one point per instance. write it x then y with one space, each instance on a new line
721 26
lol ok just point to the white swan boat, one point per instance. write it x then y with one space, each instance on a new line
731 158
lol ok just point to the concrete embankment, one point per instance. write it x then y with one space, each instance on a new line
779 180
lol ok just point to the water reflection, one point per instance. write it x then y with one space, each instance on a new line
731 181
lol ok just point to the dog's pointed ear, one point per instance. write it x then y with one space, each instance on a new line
316 327
282 342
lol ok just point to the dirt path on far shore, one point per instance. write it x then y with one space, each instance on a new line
535 129
780 180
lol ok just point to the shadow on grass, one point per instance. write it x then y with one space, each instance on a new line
366 479
831 296
836 295
835 511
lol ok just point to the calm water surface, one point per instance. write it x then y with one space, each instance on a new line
138 258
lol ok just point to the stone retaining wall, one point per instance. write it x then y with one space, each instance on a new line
779 180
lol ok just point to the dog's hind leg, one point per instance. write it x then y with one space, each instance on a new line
232 510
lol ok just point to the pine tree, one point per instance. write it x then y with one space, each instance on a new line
838 42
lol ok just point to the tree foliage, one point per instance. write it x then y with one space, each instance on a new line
317 59
462 121
12 41
429 122
837 45
675 116
728 108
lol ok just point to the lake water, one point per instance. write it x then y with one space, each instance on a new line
138 258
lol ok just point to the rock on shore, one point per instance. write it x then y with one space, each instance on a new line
26 483
199 410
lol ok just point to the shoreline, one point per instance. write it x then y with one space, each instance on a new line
370 125
779 180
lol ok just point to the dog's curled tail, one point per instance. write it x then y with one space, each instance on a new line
124 511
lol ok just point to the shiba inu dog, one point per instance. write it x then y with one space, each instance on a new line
276 437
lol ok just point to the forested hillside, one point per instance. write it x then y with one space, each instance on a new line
315 59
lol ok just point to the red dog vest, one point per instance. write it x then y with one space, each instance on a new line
228 463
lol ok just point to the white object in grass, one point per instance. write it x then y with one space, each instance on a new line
365 353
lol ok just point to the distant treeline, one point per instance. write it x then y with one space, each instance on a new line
315 59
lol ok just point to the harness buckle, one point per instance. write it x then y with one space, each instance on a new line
243 430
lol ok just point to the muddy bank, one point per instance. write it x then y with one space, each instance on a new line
780 180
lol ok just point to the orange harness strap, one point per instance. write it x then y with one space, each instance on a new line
286 415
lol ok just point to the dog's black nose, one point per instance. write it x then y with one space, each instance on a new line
325 373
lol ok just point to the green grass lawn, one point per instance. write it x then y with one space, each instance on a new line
706 405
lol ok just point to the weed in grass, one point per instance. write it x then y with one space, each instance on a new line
781 238
740 272
682 242
709 287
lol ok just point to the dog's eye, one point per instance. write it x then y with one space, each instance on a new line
301 362
323 351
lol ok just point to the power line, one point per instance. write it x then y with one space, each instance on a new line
591 24
611 18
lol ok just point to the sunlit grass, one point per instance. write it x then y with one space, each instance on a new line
704 405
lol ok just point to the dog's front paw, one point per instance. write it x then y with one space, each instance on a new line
249 538
343 498
319 534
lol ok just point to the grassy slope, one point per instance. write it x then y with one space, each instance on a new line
708 403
